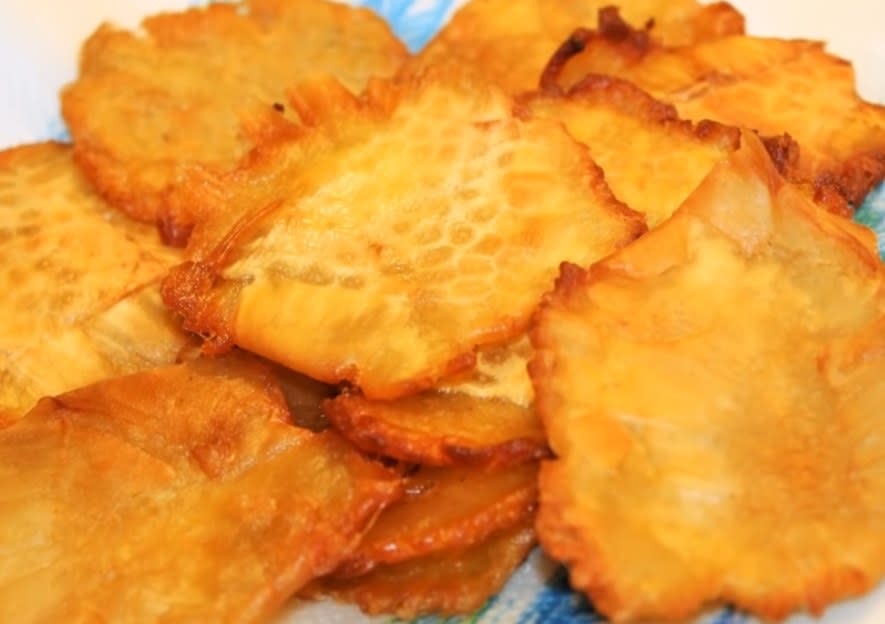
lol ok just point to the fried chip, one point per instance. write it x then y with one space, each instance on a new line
772 86
443 509
422 221
448 583
511 42
643 171
713 385
80 283
179 494
441 429
202 86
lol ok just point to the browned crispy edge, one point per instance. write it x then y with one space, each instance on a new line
352 416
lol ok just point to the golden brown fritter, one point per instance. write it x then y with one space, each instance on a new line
80 283
180 494
711 393
414 225
444 509
452 582
652 159
771 86
202 86
510 42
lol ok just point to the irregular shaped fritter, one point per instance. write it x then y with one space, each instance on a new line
414 225
769 85
180 494
80 298
202 86
713 394
510 42
452 582
444 509
652 159
441 429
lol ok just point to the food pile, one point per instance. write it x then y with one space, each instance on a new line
300 315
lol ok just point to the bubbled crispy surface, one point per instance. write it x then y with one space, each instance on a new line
200 87
748 330
79 282
427 220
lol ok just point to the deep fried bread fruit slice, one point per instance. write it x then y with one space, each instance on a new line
652 159
440 428
180 494
510 42
203 85
713 395
408 228
446 508
80 298
769 85
458 581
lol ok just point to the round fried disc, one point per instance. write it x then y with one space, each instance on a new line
203 86
422 221
712 394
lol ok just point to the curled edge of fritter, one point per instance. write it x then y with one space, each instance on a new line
440 429
564 536
452 582
443 509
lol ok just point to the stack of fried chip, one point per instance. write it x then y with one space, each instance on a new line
384 234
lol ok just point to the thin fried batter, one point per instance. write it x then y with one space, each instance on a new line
769 85
439 428
449 583
80 298
182 494
652 159
202 86
510 42
422 221
443 509
713 394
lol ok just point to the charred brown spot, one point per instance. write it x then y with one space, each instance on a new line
277 106
172 232
784 152
611 27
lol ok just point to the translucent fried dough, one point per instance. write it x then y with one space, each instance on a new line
711 394
179 494
422 221
203 86
772 86
443 509
510 42
80 282
652 159
453 582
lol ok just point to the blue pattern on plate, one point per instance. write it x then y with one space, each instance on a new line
414 21
872 214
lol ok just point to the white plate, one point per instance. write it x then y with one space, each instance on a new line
39 40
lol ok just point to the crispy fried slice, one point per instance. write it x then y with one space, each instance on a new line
424 220
769 85
80 296
449 583
134 334
511 41
179 494
712 393
441 429
202 86
446 508
652 159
